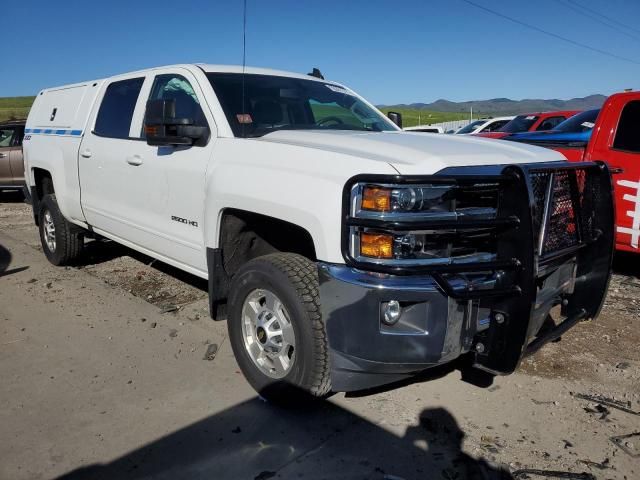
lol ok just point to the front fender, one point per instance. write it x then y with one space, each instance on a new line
296 184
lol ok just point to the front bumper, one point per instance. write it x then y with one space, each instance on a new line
445 314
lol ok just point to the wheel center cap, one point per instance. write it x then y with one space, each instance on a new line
262 335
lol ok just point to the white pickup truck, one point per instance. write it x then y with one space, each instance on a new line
343 252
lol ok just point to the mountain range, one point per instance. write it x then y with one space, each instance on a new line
506 106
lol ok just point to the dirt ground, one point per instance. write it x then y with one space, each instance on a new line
599 358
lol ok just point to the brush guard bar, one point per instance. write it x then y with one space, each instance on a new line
554 223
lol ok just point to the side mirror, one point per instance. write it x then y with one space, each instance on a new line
396 118
162 128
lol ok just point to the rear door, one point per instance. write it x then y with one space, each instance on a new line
105 174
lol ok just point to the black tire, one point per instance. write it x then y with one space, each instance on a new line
294 280
69 238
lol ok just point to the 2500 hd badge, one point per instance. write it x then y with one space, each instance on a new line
193 223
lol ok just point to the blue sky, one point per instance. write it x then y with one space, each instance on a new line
390 52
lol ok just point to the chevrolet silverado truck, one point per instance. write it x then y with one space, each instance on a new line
343 252
612 135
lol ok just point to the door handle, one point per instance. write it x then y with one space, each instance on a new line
86 153
3 155
134 160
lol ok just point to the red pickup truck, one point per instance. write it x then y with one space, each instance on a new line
531 122
615 139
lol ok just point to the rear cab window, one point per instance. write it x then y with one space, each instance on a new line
117 107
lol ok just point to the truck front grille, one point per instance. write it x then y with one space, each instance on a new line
503 228
563 213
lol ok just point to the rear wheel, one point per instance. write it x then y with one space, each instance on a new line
276 329
62 242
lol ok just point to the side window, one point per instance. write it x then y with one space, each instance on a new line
6 137
116 110
628 131
550 123
176 87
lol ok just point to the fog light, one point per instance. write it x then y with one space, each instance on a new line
376 245
391 312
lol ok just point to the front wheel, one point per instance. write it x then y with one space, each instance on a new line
62 242
276 328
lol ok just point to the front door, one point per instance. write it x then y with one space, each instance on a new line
150 197
624 153
176 176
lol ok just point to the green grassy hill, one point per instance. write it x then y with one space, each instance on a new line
413 116
12 108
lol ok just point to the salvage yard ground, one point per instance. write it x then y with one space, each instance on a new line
112 369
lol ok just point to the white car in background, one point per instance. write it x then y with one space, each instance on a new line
484 125
425 129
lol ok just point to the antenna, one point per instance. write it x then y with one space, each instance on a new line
244 59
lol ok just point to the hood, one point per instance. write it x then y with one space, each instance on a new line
415 153
551 136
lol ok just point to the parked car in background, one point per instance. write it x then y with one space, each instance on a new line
575 132
531 122
11 164
484 125
614 136
424 128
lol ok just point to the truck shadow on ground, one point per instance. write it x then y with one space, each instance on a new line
256 440
101 251
627 263
5 261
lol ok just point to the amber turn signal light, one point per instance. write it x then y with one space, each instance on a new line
376 245
377 199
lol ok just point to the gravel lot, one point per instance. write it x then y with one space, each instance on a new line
179 424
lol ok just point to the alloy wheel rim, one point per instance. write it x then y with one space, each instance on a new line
268 333
49 231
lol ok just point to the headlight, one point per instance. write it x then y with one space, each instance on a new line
416 224
399 199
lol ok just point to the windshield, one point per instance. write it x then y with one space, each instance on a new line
522 123
283 103
579 123
471 127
